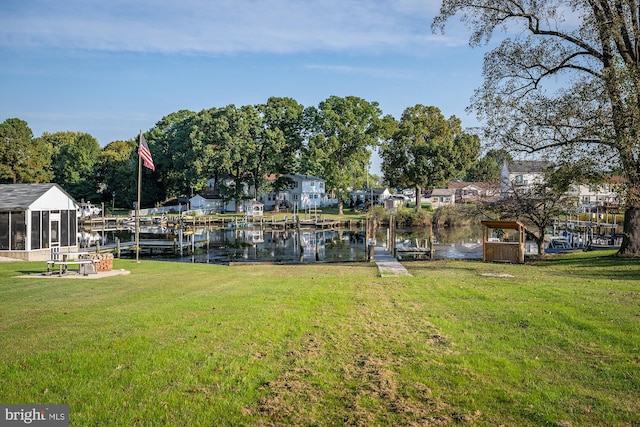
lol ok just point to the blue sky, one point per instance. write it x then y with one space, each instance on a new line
110 68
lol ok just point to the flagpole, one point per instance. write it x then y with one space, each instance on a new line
138 202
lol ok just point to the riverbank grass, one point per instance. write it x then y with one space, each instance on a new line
556 343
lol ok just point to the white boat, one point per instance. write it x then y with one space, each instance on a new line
557 244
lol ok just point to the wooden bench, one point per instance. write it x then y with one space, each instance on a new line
83 266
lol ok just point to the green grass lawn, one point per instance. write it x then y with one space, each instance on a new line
202 345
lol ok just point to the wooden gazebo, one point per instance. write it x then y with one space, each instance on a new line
504 241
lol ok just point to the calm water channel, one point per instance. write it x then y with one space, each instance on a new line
221 246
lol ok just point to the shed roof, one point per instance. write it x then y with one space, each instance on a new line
509 225
443 192
22 196
464 184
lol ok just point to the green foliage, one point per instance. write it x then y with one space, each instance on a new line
74 162
427 150
173 154
413 218
343 131
117 171
458 214
488 167
379 213
23 159
244 149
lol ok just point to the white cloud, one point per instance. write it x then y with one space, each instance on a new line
220 26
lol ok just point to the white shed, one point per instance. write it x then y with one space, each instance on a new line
34 218
207 202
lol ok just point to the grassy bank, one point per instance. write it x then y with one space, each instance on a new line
459 343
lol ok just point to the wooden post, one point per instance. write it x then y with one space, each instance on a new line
299 235
431 251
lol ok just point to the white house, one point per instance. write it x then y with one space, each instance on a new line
442 197
306 192
207 202
471 192
521 174
379 195
596 196
36 218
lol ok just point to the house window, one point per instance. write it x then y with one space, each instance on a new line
519 179
295 197
313 183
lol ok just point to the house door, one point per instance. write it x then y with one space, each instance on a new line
54 231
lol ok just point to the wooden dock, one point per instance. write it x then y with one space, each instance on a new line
185 223
154 247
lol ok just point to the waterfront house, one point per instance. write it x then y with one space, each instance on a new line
361 196
474 192
521 174
442 197
306 191
207 202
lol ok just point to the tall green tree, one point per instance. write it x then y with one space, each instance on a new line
171 146
280 142
226 142
23 159
488 167
117 173
342 133
74 163
566 82
427 150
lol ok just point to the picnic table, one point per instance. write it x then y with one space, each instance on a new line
62 260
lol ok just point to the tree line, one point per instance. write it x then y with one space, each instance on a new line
253 146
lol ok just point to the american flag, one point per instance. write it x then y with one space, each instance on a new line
145 154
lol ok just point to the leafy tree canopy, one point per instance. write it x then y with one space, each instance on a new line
22 158
343 131
427 150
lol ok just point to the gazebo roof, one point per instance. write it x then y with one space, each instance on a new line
509 225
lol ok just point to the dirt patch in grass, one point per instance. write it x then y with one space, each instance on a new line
369 394
380 398
284 401
292 398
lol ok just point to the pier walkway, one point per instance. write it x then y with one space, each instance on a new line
388 266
